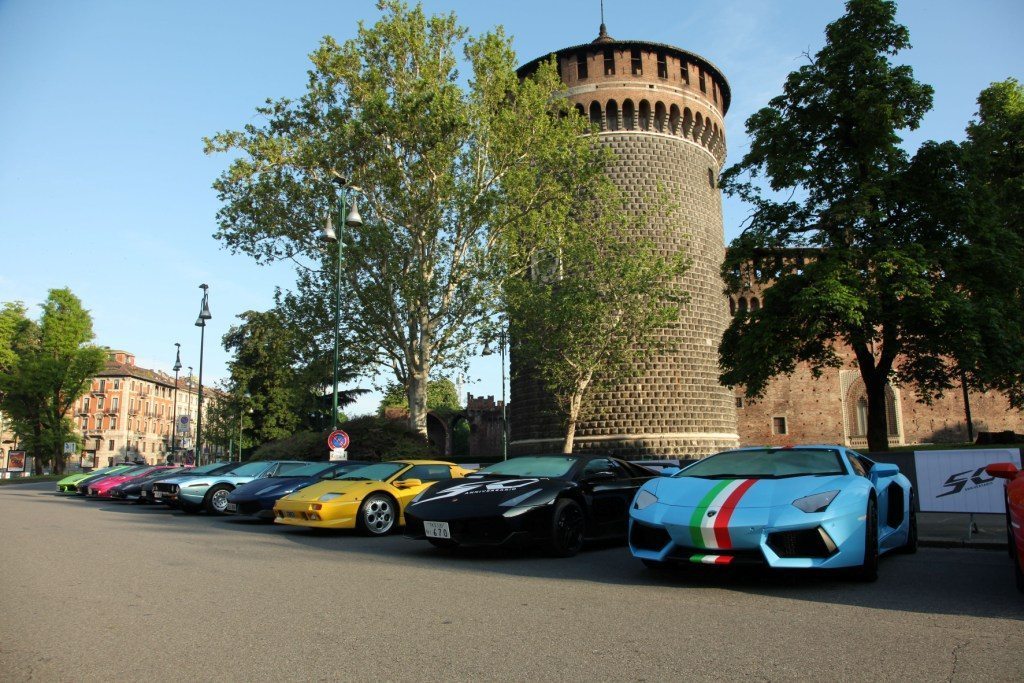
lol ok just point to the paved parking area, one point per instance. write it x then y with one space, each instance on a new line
105 591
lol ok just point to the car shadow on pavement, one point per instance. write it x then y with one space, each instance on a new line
933 581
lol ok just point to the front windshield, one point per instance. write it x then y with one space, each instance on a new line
767 463
376 472
212 468
313 469
249 469
532 466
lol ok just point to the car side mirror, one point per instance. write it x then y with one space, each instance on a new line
1003 470
408 483
668 471
885 469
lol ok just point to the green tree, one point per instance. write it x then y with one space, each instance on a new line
445 172
588 312
280 383
990 267
441 396
54 366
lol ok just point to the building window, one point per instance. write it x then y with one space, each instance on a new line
103 385
739 401
684 71
662 66
110 444
113 423
636 63
113 403
581 65
117 384
99 422
711 177
714 92
703 83
99 402
779 425
609 62
85 404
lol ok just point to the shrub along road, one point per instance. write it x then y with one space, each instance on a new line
104 591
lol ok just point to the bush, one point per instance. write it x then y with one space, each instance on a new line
373 439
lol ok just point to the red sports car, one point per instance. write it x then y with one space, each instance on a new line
101 488
1014 514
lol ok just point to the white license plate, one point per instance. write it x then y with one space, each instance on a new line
157 494
231 507
437 529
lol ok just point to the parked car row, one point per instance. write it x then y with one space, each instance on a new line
803 507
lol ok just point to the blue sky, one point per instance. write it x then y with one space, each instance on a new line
104 187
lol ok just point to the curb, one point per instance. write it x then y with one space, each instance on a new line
960 543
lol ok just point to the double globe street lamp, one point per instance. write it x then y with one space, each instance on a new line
352 220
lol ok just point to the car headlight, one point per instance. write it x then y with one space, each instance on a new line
816 503
329 496
644 499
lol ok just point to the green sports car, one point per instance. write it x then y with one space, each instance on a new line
69 483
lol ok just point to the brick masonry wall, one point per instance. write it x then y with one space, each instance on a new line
672 405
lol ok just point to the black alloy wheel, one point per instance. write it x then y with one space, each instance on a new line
868 570
568 528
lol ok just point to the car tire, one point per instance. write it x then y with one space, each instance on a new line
443 543
1010 545
910 547
568 528
868 569
216 500
378 515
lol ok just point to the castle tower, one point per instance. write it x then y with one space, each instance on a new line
661 110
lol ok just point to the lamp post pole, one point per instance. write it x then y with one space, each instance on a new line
204 315
352 220
174 412
502 339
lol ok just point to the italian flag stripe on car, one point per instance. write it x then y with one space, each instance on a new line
711 559
698 513
712 531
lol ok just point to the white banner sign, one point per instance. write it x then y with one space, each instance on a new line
338 454
956 481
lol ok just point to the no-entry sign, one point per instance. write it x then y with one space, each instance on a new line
337 439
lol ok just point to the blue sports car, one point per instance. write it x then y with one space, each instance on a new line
804 507
257 498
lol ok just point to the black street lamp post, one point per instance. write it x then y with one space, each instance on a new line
174 412
204 315
352 220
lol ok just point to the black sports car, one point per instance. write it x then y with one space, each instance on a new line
132 490
557 500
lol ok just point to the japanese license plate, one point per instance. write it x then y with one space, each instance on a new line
437 529
232 507
158 494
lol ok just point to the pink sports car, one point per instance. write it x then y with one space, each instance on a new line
101 487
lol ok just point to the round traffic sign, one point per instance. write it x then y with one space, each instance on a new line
337 439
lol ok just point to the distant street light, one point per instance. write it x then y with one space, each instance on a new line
174 413
204 315
352 220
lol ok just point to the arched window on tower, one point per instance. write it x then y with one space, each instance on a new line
645 115
743 305
659 117
611 115
698 126
755 303
579 110
673 120
628 115
595 114
732 306
687 121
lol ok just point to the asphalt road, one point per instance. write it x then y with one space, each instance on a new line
104 591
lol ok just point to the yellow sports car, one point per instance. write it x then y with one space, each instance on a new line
371 499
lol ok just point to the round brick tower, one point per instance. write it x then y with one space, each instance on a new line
660 109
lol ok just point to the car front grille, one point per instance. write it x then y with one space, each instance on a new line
647 537
802 543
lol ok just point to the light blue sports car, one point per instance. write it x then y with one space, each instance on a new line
210 491
803 507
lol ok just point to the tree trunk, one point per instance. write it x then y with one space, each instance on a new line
878 428
37 448
575 401
416 392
